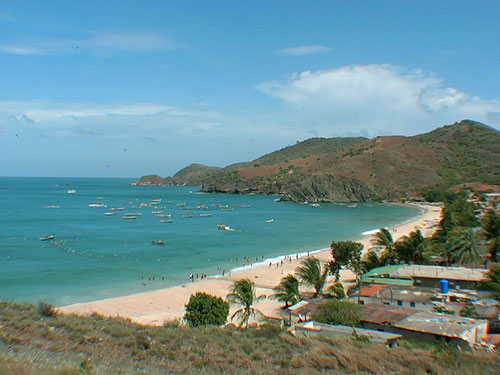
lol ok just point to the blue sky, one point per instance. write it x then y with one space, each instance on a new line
128 88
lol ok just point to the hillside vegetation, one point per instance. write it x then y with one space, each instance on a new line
360 169
31 343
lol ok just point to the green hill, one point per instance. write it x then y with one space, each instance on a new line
361 169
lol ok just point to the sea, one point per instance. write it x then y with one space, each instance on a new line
96 254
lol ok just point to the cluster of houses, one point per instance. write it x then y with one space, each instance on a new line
402 301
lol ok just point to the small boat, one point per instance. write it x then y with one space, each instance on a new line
129 217
353 205
47 238
225 227
160 242
227 209
52 206
316 205
205 215
163 215
97 205
109 213
133 214
117 208
70 191
187 216
270 221
166 221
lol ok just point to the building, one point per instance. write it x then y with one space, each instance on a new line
425 276
312 328
418 325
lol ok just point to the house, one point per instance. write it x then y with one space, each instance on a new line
426 326
421 298
313 328
425 276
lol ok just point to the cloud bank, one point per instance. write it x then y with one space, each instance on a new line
304 50
376 99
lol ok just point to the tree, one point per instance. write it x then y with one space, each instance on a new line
383 240
243 293
339 312
311 274
491 232
466 246
345 254
337 290
370 261
412 248
204 309
491 282
288 290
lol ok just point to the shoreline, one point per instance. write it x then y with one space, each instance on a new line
159 306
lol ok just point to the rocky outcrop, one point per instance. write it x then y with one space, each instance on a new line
152 180
329 188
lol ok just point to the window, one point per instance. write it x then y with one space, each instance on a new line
400 303
413 304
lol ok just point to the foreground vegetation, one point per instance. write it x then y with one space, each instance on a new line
32 343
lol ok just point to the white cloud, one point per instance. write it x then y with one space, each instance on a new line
97 42
376 99
304 50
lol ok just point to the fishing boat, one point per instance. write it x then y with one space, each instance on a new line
205 215
109 213
166 221
47 238
160 242
52 206
128 217
97 205
70 191
270 221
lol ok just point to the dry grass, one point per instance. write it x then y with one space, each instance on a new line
68 344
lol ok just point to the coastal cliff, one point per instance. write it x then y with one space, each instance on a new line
358 169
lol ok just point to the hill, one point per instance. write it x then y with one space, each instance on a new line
361 169
31 343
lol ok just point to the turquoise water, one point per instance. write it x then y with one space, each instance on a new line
94 256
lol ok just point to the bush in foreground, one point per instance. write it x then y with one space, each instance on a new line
339 312
204 309
46 309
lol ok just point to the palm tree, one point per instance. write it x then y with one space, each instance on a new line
288 290
243 293
412 248
466 246
491 233
337 290
310 273
384 241
491 282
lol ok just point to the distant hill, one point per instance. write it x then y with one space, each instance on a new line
359 169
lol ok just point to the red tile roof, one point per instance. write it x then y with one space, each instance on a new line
370 290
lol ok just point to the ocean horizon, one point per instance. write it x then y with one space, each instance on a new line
96 253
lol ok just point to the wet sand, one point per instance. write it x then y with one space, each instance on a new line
159 306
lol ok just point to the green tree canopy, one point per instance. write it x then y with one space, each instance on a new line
242 292
491 282
204 309
466 246
311 274
339 312
491 232
288 290
345 254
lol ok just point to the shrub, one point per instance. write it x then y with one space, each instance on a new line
46 309
339 312
204 309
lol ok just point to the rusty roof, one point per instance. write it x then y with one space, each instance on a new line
370 290
384 314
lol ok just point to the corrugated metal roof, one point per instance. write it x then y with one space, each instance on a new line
387 270
383 314
370 290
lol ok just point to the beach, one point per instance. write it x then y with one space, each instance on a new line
160 306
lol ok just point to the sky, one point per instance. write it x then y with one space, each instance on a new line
129 88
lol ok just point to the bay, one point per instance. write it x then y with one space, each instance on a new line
94 256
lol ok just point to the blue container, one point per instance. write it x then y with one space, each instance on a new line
444 286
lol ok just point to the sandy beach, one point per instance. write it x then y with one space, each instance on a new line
159 306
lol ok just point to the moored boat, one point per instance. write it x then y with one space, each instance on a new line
47 238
